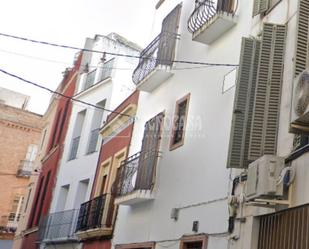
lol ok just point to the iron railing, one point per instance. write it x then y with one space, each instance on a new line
93 141
74 148
206 10
90 79
106 71
58 226
288 229
91 213
136 173
25 168
159 52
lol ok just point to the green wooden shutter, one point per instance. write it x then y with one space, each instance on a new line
264 127
260 6
301 56
243 104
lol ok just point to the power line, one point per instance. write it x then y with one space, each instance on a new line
60 94
114 54
83 66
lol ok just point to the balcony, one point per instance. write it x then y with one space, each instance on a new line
156 62
103 72
95 218
208 22
58 227
135 179
25 168
90 79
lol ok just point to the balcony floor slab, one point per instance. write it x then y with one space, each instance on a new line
159 75
215 28
135 197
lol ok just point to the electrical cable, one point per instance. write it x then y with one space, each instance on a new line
61 94
89 66
115 54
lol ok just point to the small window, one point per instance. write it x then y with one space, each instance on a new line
179 124
194 242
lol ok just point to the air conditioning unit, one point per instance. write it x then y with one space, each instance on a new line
300 104
263 175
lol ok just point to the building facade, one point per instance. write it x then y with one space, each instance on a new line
173 188
50 159
47 121
97 216
20 133
269 197
104 87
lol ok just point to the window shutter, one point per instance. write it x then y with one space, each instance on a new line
256 5
243 104
149 152
167 43
266 109
301 56
260 6
264 6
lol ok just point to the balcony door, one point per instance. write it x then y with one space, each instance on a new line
149 152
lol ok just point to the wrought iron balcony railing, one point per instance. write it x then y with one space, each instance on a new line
99 74
58 226
159 52
206 10
90 79
136 173
25 168
93 141
74 148
91 213
106 71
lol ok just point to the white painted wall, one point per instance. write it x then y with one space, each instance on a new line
284 12
196 172
83 168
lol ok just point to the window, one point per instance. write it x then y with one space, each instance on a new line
256 108
62 198
95 128
103 177
194 242
43 198
263 6
28 198
15 210
76 134
179 124
81 193
56 125
31 152
43 138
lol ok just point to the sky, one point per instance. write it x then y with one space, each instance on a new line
66 22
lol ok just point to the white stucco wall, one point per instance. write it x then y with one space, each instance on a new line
72 172
196 172
284 13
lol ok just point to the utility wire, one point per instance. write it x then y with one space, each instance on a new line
83 66
115 54
60 94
